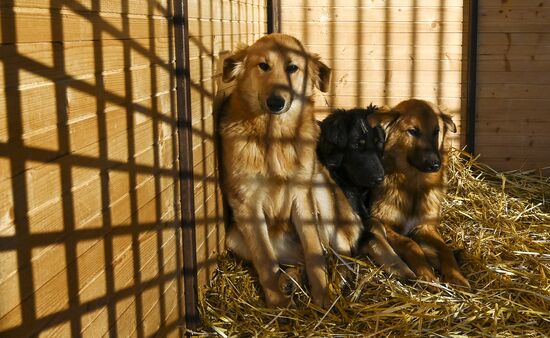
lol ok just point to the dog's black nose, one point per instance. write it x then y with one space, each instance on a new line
275 103
378 180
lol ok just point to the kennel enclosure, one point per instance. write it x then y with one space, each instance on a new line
111 216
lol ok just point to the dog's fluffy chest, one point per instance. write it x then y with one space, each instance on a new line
404 209
267 146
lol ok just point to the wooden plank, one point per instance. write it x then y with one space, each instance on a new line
234 10
207 268
46 219
513 108
372 3
513 15
536 143
202 150
505 90
450 90
512 4
45 262
518 39
350 101
516 77
127 322
211 30
35 25
204 169
38 104
513 26
361 14
515 153
359 75
51 298
144 7
116 133
527 64
127 281
44 181
80 58
386 64
354 52
300 27
203 130
330 37
512 51
509 163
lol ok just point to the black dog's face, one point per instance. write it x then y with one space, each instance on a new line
349 142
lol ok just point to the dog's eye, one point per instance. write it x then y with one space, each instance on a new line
264 66
414 132
291 69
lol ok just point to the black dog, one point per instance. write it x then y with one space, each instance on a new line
351 149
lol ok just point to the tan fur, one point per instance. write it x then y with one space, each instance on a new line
408 203
285 205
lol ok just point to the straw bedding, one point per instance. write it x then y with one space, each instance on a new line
498 223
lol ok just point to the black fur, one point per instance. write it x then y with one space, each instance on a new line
352 152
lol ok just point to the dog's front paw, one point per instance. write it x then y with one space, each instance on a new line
291 280
456 278
322 298
401 270
276 299
426 275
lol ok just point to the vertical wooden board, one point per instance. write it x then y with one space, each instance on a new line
512 88
383 50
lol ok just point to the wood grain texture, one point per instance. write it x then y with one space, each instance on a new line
513 84
384 51
90 239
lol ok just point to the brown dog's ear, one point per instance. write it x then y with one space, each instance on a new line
233 65
448 121
321 74
383 118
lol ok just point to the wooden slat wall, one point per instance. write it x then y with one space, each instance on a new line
513 116
384 51
215 28
89 239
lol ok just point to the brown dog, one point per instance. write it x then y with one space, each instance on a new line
408 202
276 189
285 205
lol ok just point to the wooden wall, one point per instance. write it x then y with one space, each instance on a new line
513 116
384 51
89 240
215 28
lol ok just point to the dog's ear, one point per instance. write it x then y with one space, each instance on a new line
383 118
321 74
233 65
333 140
448 121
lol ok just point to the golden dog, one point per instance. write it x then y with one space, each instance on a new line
284 203
408 202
